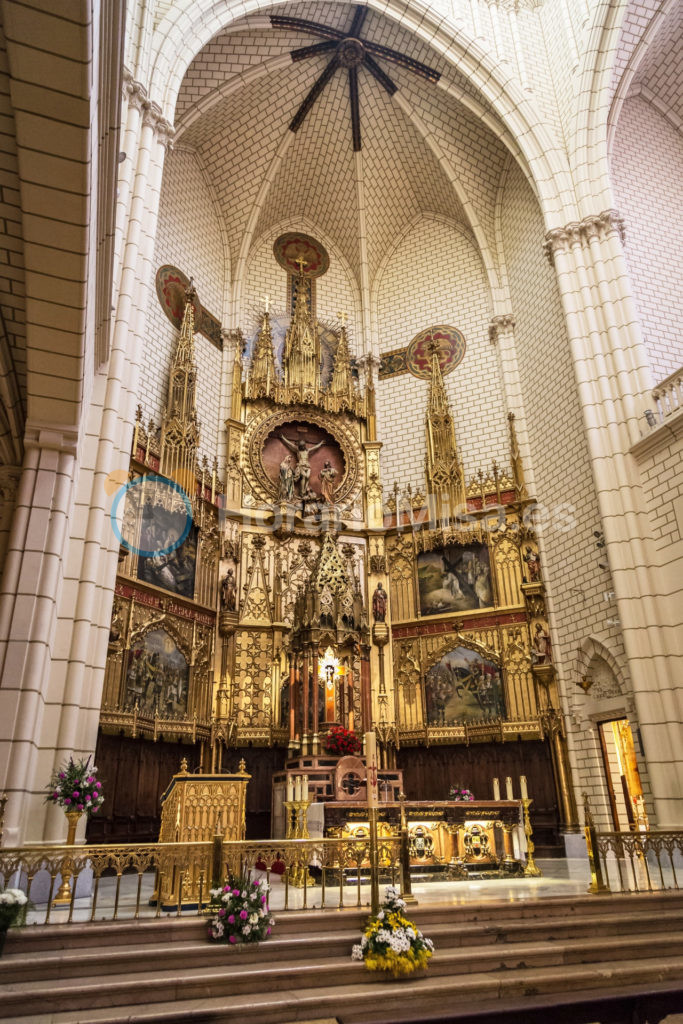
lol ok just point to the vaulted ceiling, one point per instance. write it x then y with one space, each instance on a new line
421 150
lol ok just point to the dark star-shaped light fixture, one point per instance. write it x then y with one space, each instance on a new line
348 51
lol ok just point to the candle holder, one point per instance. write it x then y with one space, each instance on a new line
531 869
297 828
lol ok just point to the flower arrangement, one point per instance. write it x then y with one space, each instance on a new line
342 741
391 942
240 911
75 787
456 793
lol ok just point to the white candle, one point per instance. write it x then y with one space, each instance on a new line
522 787
508 789
304 787
297 788
371 765
496 789
290 788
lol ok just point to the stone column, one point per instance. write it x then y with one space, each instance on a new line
613 383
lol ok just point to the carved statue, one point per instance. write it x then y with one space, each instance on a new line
540 646
379 604
533 564
286 479
228 591
302 471
327 477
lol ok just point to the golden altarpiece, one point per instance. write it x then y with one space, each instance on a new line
253 614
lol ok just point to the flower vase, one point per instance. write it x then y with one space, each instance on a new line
63 897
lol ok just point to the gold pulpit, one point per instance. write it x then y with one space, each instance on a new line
194 808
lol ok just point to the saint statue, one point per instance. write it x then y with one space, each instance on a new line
301 474
228 591
540 646
533 564
286 479
379 604
327 477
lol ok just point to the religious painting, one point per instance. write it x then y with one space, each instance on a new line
165 560
463 685
456 578
158 675
304 462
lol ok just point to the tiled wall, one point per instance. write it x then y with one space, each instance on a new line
189 238
435 276
649 197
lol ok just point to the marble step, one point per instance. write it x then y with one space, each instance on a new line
23 964
362 1002
183 929
226 973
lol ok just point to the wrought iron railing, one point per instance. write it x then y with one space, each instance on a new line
129 881
638 861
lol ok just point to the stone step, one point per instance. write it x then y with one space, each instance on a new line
226 973
362 1002
195 950
168 930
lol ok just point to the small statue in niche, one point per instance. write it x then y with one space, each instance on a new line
302 471
533 564
286 479
540 646
379 603
228 592
327 477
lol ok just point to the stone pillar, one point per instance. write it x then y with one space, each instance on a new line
613 384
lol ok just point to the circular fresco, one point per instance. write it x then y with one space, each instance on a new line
451 351
171 287
289 247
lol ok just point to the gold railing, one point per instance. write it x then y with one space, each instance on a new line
129 881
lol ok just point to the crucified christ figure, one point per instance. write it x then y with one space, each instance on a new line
302 470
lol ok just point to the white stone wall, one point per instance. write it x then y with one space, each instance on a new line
646 169
435 276
580 592
189 237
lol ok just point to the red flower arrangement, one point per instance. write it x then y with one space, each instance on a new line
342 741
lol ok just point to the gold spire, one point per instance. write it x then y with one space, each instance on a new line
179 427
443 467
301 359
261 379
341 385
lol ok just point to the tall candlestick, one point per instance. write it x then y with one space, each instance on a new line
522 787
297 788
508 789
496 789
371 765
290 788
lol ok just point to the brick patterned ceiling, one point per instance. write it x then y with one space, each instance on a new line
246 106
661 70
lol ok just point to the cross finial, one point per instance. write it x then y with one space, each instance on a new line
301 263
267 302
343 317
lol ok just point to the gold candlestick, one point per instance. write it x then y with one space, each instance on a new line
63 897
531 868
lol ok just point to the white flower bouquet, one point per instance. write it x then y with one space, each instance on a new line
391 942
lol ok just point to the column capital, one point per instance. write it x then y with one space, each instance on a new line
500 325
52 437
599 226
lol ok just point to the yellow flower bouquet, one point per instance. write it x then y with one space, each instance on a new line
391 942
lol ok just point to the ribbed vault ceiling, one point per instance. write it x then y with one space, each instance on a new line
241 92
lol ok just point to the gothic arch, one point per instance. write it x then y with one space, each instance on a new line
591 648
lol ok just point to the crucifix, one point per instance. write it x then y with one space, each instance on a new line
267 302
301 263
343 317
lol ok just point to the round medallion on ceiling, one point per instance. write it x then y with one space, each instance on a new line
451 345
350 53
294 245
